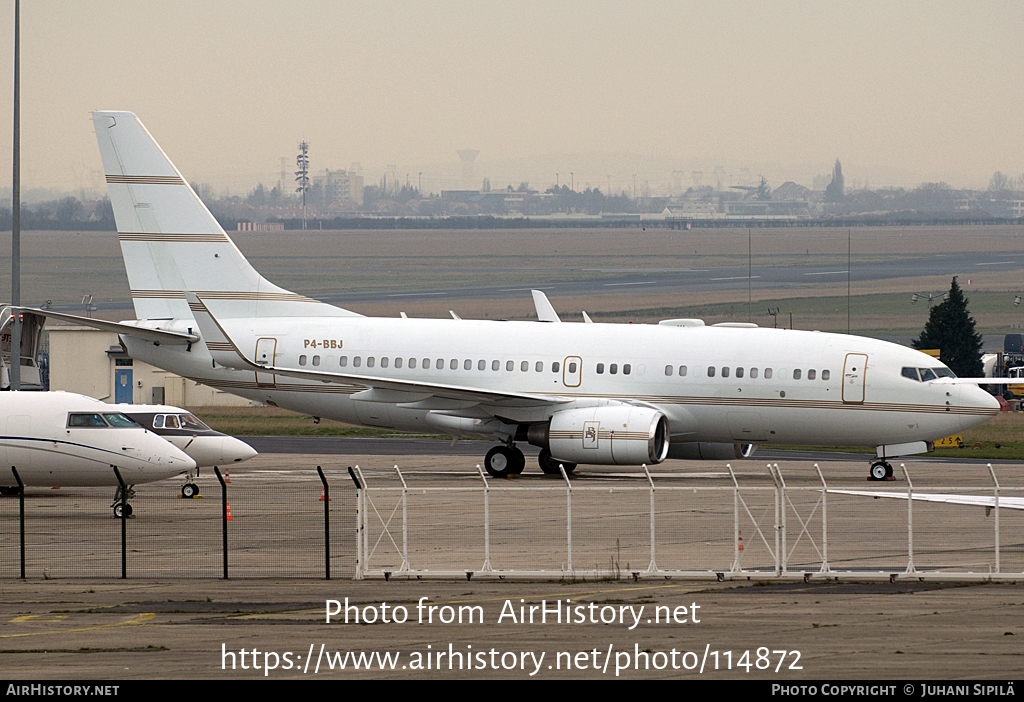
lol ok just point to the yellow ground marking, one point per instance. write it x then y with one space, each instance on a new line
142 619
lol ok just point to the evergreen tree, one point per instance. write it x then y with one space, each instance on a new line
950 328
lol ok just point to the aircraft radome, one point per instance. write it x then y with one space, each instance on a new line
208 448
584 393
68 440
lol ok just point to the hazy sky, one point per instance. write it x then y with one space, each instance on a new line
901 92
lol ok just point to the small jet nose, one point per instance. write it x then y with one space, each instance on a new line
235 451
161 452
975 398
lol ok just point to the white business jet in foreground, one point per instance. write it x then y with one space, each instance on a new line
584 393
69 440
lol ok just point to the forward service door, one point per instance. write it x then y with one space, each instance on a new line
854 375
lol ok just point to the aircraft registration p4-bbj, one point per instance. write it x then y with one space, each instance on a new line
584 393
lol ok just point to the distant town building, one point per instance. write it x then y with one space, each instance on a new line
340 187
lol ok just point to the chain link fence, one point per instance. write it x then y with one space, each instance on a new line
347 523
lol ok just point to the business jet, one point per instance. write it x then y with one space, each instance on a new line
208 448
69 440
584 393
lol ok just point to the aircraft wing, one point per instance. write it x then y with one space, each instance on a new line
154 335
406 392
987 501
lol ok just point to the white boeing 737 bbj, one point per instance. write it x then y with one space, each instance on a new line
584 393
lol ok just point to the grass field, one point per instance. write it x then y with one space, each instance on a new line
1001 438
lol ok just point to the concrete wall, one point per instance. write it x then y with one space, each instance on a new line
83 360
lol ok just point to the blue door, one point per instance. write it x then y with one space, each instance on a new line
123 385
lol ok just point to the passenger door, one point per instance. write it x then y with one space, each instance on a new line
854 376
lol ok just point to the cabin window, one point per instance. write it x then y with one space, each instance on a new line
439 365
426 364
524 366
668 370
540 367
626 368
398 363
412 363
825 375
812 374
682 371
767 373
316 360
572 367
613 368
453 364
302 360
481 364
739 372
357 361
467 364
600 368
371 361
711 371
384 362
555 366
796 374
495 365
343 361
725 371
753 372
510 365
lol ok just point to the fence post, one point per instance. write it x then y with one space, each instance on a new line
824 521
568 501
910 520
487 519
21 517
405 522
124 523
327 524
359 524
995 506
223 518
653 566
735 520
780 562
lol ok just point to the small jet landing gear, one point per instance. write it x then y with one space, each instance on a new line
503 461
117 506
189 489
881 470
549 464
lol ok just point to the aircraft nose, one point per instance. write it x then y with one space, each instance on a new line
235 451
164 453
979 403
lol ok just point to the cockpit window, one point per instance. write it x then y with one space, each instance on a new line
190 421
86 420
116 419
926 374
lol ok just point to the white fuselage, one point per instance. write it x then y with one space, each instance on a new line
856 397
37 438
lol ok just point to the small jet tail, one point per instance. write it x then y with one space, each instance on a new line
171 242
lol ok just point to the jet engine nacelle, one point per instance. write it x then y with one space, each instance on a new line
608 435
705 451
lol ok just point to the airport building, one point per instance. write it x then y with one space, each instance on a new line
92 362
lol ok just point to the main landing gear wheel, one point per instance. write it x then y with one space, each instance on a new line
549 464
881 470
189 490
127 510
503 461
9 491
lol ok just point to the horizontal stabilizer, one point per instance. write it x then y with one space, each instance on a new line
145 333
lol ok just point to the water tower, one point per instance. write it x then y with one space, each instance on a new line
467 156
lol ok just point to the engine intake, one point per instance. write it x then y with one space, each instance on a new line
610 435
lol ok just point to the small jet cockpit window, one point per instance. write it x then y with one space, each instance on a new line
118 420
86 420
910 373
927 374
170 422
190 421
943 372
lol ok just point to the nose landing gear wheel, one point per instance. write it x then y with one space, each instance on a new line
189 490
881 470
127 510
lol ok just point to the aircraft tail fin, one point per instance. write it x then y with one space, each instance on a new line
171 242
